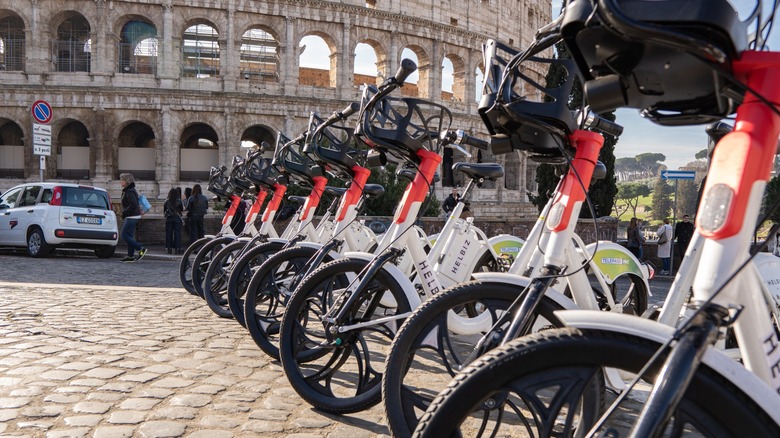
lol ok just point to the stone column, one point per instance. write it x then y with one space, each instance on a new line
38 38
167 60
168 150
346 64
100 153
229 144
434 72
100 62
289 53
394 60
228 54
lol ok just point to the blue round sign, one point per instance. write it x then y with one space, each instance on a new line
41 111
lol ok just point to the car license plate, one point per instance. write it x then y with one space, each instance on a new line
89 220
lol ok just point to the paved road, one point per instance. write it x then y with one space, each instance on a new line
92 347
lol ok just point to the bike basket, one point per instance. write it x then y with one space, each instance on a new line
534 118
238 176
290 158
219 182
660 56
259 169
333 147
402 126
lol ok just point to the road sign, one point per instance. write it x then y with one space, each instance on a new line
41 111
41 139
678 174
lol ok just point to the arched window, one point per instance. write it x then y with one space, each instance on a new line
11 149
367 69
453 79
200 51
255 135
73 46
199 151
259 56
317 65
137 151
73 151
479 79
414 86
138 48
11 43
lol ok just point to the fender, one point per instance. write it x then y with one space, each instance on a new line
506 244
398 276
278 240
615 261
644 328
316 246
521 283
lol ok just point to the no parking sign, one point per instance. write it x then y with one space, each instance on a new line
41 111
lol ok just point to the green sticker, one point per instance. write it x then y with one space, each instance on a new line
509 247
614 262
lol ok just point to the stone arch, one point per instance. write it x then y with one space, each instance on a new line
12 41
199 151
417 83
137 46
314 74
72 45
260 55
137 150
11 149
200 49
455 78
479 78
73 151
365 52
256 134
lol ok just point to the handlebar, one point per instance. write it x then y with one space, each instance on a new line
344 114
459 137
406 68
596 122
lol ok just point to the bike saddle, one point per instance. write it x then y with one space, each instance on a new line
297 200
657 56
409 174
488 171
373 190
335 191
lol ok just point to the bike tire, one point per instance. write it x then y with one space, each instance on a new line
203 260
241 275
711 405
186 263
426 353
215 279
339 374
267 294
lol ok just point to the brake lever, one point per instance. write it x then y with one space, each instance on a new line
459 148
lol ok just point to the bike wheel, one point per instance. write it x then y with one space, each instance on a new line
215 280
202 261
187 261
241 275
628 290
540 385
432 346
270 289
340 371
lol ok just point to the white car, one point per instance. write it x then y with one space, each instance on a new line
46 215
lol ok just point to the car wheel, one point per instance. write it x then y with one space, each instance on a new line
36 244
105 252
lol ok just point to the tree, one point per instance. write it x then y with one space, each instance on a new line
649 162
702 154
630 194
662 200
546 181
626 168
772 196
687 193
394 189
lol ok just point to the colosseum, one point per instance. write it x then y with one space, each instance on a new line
167 88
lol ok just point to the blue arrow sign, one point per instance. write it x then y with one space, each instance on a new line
678 174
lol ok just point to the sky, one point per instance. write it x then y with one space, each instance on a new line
678 144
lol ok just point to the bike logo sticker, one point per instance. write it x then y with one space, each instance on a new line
614 263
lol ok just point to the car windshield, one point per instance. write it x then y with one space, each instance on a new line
84 197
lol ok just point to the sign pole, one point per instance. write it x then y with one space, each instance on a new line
674 222
42 166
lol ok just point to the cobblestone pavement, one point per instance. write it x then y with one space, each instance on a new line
92 347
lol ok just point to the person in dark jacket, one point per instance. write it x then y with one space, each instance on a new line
683 232
131 213
197 206
451 201
172 209
185 200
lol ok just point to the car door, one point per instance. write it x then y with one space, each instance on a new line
9 220
27 211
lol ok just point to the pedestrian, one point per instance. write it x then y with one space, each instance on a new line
172 209
664 252
179 249
131 213
185 201
197 206
451 201
641 224
683 232
635 238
